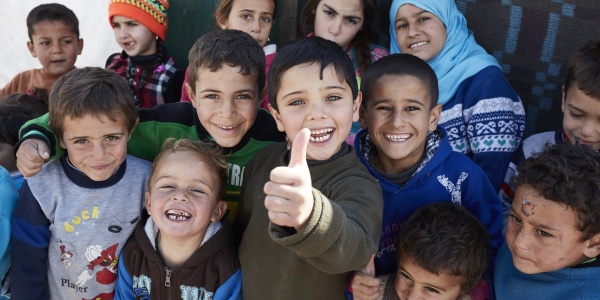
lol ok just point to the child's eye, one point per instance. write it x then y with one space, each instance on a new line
243 96
543 233
576 115
81 141
328 12
167 186
384 108
514 218
246 17
67 41
296 103
423 19
333 98
45 43
405 276
401 26
112 138
432 290
116 25
266 19
411 108
352 21
198 191
211 96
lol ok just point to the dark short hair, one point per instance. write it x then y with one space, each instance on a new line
361 39
399 64
232 47
223 10
446 238
209 149
584 70
310 50
90 91
16 109
567 174
52 12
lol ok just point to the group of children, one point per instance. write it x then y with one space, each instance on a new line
244 203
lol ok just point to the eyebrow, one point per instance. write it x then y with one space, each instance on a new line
427 284
409 100
535 224
330 87
353 17
413 15
193 179
87 136
218 91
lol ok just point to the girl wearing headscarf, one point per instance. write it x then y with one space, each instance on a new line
482 114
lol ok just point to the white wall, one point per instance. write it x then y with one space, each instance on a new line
98 38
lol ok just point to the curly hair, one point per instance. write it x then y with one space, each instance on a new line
446 238
568 174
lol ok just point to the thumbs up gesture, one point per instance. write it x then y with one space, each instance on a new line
289 192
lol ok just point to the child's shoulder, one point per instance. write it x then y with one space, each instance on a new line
536 143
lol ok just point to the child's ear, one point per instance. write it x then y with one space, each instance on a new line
434 116
356 107
593 248
219 211
221 21
277 118
564 99
191 93
80 46
362 117
31 49
147 195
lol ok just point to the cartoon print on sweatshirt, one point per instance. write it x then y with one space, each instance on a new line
67 252
104 261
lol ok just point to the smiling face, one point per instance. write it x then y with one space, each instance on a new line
56 46
398 116
542 236
254 17
339 20
419 32
325 106
135 38
581 120
227 103
96 146
414 282
183 197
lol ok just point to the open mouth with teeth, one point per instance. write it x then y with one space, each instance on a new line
321 135
397 137
177 215
227 127
419 44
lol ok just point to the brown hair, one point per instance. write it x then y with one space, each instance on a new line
90 91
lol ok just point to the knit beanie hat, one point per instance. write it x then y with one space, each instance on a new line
151 13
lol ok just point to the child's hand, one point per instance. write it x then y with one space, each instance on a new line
364 284
31 156
289 193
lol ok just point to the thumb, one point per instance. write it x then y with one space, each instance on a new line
42 149
370 268
298 152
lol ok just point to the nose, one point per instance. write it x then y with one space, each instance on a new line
255 26
57 47
179 195
122 32
520 240
335 27
317 111
587 129
413 30
98 152
228 109
398 120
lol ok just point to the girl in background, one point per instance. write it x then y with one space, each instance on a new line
254 17
482 114
140 27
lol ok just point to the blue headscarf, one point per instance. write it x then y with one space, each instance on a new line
461 56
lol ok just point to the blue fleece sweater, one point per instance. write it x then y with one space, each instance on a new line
485 120
8 201
447 176
566 283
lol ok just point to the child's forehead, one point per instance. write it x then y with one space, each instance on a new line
51 27
314 69
532 207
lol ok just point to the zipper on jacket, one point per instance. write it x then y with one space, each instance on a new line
168 280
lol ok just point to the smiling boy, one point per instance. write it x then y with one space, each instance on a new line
553 234
311 215
73 218
227 68
54 40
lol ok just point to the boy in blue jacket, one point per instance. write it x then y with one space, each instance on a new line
553 234
405 149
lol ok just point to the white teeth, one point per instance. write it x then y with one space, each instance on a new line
227 127
321 131
320 139
397 137
177 215
419 44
